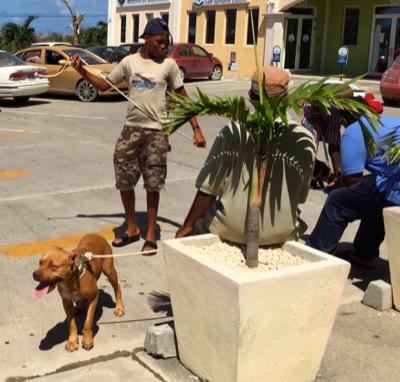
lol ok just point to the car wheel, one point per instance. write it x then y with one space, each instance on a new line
216 73
390 101
86 92
21 100
182 73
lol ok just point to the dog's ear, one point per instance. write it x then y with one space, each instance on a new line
73 258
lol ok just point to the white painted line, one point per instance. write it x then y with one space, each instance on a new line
76 116
52 115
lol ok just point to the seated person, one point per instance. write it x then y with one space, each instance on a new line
221 203
358 196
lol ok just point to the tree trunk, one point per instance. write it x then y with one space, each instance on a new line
253 214
253 234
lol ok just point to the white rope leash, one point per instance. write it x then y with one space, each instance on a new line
69 63
90 256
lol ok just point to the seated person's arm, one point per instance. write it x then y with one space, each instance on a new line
202 202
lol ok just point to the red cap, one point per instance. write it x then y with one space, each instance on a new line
373 103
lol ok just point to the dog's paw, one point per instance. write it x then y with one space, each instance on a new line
119 311
87 342
71 346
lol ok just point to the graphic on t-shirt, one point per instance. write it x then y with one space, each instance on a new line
143 80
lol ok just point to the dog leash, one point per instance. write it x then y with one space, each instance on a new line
96 73
90 256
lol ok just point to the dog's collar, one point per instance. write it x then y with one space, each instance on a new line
82 265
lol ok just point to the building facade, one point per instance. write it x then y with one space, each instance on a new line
353 37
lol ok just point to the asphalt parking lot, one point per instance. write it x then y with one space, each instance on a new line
57 183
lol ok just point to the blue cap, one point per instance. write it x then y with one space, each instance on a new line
156 26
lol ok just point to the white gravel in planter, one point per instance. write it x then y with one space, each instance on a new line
232 255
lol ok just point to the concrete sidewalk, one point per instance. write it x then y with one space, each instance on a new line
363 346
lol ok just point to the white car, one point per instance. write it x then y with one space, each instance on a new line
19 80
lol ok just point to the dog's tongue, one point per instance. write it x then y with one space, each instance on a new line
43 289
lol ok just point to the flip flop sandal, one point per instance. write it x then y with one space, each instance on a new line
125 239
151 244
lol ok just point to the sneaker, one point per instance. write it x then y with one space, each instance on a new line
365 262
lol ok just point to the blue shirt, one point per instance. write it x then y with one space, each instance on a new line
355 157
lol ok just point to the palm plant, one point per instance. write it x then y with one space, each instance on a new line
95 35
269 116
15 37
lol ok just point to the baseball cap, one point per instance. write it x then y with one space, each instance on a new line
156 26
373 103
276 81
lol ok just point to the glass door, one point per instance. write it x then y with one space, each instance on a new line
298 43
291 43
385 41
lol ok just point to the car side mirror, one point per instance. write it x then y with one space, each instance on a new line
62 62
210 54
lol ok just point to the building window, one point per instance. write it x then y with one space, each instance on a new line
350 28
135 28
165 17
254 13
123 28
149 16
210 27
230 26
192 27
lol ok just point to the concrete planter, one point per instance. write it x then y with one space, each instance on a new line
263 326
391 218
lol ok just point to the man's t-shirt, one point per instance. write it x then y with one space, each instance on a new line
227 175
355 157
148 80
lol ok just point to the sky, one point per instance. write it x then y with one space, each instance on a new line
53 15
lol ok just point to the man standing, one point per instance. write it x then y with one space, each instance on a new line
142 146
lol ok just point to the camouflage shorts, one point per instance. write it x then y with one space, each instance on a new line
140 151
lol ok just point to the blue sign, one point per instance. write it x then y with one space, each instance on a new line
343 56
276 53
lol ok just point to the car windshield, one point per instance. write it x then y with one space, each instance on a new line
86 55
122 49
7 59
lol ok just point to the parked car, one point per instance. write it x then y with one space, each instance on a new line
124 50
103 51
70 81
390 84
194 61
19 80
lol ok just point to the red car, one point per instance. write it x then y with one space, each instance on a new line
390 84
194 61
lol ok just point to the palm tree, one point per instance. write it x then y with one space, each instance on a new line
269 117
76 21
95 35
15 37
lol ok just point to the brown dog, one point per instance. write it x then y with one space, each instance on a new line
76 278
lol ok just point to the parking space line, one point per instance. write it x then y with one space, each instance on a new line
12 133
19 251
14 174
52 115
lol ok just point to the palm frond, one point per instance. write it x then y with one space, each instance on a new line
392 141
260 124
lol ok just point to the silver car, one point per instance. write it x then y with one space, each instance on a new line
19 80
